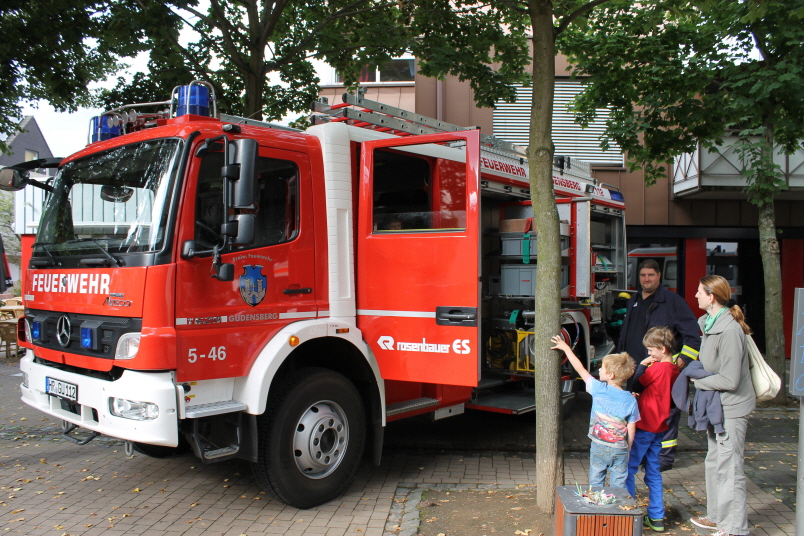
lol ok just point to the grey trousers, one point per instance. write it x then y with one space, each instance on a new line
725 478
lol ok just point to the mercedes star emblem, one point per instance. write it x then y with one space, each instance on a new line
63 330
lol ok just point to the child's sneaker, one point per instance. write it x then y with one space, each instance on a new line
656 524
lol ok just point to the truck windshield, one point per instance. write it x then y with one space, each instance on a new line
116 201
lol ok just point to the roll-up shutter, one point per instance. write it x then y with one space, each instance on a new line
511 124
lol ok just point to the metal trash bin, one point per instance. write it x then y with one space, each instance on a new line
576 517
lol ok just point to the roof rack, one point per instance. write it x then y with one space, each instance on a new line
255 123
384 118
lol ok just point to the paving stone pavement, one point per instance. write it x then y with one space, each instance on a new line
49 486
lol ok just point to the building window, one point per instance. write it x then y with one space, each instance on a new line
512 123
31 155
399 70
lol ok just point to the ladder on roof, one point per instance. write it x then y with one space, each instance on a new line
385 118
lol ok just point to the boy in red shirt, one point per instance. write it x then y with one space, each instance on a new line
653 382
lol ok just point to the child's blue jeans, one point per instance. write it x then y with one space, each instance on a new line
647 445
604 459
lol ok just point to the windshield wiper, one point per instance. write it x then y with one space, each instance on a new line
50 261
109 257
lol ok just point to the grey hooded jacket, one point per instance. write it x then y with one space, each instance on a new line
724 354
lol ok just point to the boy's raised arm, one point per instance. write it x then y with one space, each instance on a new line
573 359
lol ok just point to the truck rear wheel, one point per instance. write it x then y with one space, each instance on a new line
311 438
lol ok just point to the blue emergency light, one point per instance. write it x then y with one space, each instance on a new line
193 99
87 337
617 196
36 330
103 128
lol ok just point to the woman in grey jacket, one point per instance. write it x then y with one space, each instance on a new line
724 354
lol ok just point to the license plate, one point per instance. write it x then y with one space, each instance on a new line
61 389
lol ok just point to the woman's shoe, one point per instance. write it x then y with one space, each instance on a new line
703 522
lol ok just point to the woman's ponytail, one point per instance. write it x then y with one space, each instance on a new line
719 287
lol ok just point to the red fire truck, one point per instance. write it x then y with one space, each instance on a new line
208 282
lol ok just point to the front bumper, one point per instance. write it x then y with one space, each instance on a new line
94 394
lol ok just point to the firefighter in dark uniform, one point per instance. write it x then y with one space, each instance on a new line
657 306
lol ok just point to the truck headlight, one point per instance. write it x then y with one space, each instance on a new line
127 346
133 409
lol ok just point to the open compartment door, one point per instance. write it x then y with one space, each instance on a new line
418 263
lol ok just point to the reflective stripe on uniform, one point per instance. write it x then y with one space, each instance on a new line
689 352
669 443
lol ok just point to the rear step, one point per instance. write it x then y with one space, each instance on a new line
218 439
410 405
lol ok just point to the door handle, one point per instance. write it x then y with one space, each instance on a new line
305 290
456 316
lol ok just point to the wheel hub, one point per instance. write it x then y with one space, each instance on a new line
321 439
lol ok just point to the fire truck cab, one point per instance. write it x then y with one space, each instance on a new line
211 283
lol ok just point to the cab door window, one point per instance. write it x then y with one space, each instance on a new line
418 194
277 202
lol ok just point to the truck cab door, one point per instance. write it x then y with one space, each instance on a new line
221 326
418 265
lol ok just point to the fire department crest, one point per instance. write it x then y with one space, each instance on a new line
253 284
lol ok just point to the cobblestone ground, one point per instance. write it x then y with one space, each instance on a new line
49 486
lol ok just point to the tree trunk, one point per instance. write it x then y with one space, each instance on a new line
771 267
254 87
549 436
772 274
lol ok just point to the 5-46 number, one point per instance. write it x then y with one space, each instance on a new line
215 353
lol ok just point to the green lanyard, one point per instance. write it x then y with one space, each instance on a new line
710 320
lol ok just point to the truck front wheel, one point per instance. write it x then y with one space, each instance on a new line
311 438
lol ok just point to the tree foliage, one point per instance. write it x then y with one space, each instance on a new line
680 73
677 73
239 46
52 50
257 55
484 44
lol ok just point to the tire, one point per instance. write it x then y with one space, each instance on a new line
311 438
159 451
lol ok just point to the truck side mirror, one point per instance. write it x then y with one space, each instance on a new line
244 153
188 249
13 179
224 271
246 224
